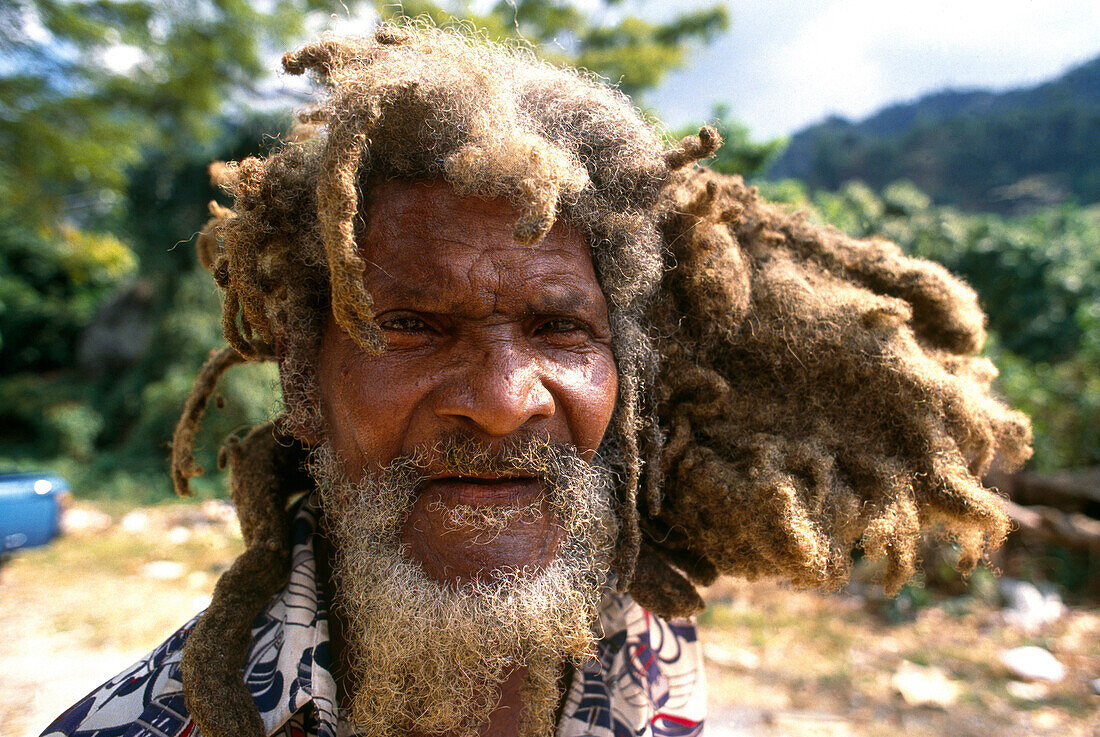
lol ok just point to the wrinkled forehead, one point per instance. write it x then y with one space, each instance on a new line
433 208
421 238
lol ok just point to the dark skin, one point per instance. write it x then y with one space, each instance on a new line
484 336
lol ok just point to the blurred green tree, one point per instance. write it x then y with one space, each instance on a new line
105 107
88 86
633 52
110 111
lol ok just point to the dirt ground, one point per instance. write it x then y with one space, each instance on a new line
780 663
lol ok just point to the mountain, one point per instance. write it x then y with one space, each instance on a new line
980 150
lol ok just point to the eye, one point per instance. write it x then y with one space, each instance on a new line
559 325
406 330
404 324
563 331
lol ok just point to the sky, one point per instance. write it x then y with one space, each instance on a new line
788 63
785 64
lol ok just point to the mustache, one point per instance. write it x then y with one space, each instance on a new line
571 486
461 453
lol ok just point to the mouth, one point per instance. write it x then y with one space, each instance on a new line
486 490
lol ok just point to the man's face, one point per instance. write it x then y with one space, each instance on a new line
485 338
471 522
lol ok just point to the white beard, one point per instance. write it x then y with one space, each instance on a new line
431 657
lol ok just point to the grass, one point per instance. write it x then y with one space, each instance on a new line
78 611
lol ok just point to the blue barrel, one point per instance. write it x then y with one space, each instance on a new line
30 509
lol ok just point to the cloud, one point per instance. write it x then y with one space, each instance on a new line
121 58
787 63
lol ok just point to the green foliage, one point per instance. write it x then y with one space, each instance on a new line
1038 278
50 286
109 434
1004 152
630 51
90 85
110 111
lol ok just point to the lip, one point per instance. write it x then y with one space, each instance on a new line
479 491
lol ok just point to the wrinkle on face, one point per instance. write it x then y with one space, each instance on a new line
495 357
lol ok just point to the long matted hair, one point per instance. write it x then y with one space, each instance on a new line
786 393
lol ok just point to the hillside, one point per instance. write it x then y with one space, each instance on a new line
999 151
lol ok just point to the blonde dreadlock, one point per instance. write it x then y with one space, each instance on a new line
418 103
818 393
793 392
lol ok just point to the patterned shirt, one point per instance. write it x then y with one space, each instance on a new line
647 680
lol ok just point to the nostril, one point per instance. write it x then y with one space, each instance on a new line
497 397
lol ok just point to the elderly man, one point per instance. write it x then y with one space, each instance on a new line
541 377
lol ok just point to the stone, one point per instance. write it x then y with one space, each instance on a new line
163 570
178 535
1027 608
1031 663
84 520
217 510
1034 691
921 685
731 657
137 521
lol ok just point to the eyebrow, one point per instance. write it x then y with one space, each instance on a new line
556 298
563 299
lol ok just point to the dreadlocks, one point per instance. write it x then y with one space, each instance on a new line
818 393
423 104
786 393
420 103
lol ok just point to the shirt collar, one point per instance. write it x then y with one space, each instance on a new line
647 677
646 681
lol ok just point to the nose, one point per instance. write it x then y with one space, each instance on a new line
499 390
